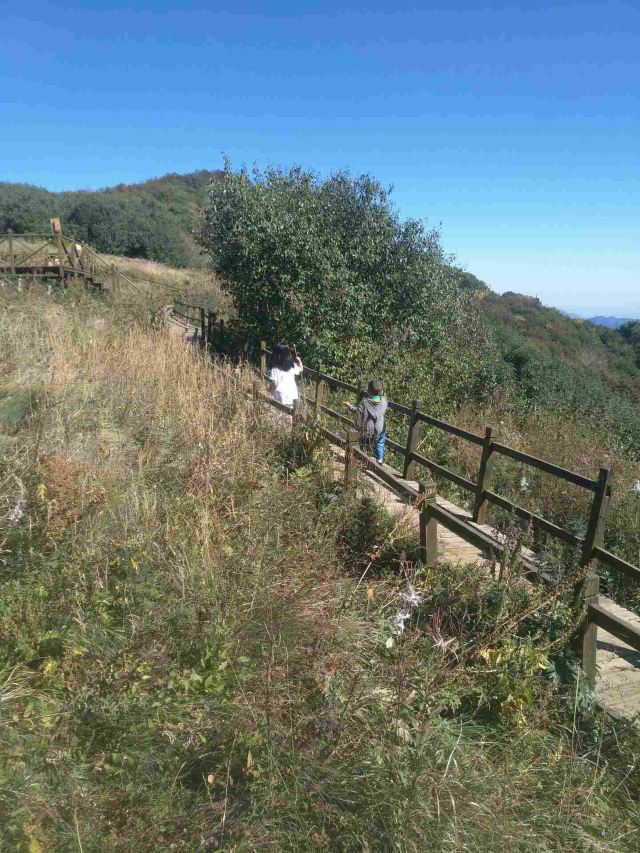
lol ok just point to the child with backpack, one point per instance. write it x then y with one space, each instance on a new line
370 419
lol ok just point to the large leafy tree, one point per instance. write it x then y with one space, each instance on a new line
330 265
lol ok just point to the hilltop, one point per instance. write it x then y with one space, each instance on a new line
154 219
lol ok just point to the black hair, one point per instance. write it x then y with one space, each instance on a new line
281 357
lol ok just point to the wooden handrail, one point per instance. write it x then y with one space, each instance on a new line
547 467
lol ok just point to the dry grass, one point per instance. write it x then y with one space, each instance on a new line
198 286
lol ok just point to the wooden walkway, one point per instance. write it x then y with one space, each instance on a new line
618 664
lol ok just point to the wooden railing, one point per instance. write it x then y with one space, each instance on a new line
63 258
598 608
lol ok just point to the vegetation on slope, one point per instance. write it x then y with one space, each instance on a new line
310 250
153 220
191 659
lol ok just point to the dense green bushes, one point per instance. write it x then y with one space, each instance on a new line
329 265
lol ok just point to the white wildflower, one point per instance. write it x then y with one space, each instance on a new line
524 484
399 619
411 597
17 512
636 487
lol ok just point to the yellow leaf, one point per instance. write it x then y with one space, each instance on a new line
41 494
50 667
370 593
34 845
249 760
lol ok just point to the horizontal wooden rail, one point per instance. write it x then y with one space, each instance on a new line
450 428
441 471
547 467
331 381
397 448
467 531
392 478
338 416
607 620
333 437
400 408
617 564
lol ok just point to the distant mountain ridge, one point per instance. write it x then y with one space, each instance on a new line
611 322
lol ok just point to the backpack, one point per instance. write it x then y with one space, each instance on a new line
374 420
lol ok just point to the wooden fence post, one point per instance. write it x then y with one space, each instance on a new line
428 525
484 478
203 327
12 258
350 470
60 256
73 255
589 629
413 438
597 516
263 358
210 322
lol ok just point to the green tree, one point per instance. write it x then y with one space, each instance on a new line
330 265
631 333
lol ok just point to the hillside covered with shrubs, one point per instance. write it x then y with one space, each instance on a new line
330 265
154 219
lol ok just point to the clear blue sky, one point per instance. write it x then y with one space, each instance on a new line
515 126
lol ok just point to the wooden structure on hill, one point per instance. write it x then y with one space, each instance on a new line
56 258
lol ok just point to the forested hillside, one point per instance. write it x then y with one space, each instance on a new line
154 219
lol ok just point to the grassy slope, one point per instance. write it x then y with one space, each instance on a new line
187 658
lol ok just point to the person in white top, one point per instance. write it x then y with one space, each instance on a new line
282 375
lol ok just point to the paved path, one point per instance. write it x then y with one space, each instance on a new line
618 680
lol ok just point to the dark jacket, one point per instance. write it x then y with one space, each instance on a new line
371 415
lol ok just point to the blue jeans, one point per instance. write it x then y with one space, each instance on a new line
374 444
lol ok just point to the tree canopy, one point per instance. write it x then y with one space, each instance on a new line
329 265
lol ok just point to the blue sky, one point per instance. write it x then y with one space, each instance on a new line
515 126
